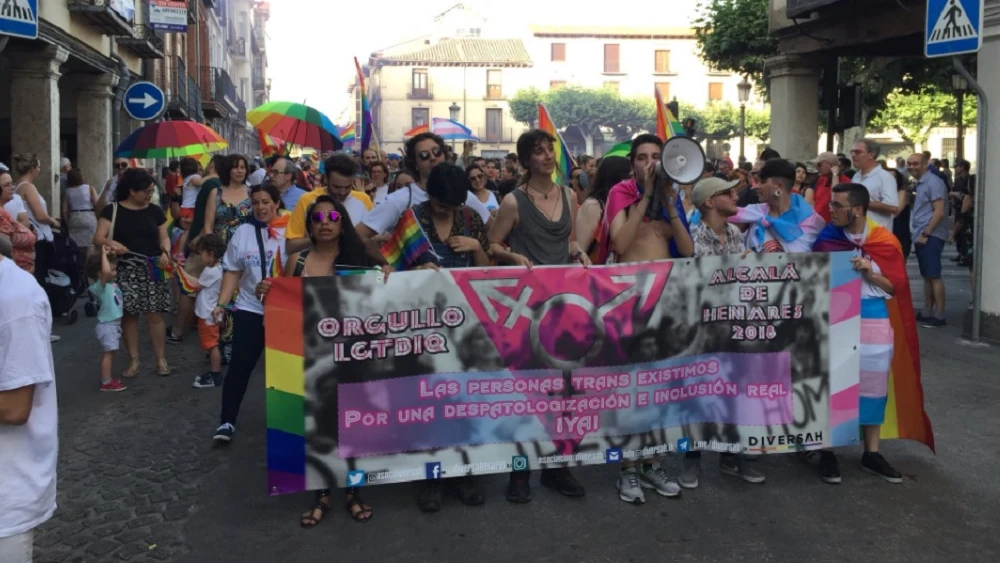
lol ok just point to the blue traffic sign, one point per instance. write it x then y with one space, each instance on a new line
19 18
145 101
953 27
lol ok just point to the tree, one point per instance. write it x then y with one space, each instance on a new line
913 115
733 36
758 124
524 105
588 109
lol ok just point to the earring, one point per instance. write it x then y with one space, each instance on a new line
777 193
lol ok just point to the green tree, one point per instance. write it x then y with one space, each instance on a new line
733 36
524 105
913 115
587 108
758 124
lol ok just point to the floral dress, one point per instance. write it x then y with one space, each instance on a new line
228 218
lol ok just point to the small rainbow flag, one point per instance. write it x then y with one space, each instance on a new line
188 285
667 125
425 128
277 269
408 242
156 273
347 135
564 161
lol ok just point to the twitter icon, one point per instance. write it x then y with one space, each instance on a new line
356 478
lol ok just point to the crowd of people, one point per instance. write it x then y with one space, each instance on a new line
204 241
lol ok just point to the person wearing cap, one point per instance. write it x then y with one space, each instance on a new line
828 166
716 202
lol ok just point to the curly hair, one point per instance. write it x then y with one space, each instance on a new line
211 243
352 250
132 180
228 164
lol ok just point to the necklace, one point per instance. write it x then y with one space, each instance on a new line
545 195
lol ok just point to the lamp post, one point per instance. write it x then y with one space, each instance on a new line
453 112
959 84
744 92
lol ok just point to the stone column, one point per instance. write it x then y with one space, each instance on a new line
93 126
794 106
989 78
34 112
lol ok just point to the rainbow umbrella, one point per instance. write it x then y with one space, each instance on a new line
297 124
171 139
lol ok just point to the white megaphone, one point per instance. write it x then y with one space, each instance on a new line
682 160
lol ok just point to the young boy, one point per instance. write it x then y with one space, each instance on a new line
101 267
210 249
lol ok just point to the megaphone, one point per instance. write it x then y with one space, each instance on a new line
682 160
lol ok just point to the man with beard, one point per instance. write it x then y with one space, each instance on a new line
340 172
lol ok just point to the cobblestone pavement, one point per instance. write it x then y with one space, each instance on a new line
139 480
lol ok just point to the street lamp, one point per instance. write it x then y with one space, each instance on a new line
959 84
744 93
453 110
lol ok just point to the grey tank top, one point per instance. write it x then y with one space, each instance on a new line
544 242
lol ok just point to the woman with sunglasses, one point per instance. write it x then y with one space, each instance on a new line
477 184
107 195
334 243
253 249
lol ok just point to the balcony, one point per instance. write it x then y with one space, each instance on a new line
194 100
102 16
496 135
238 47
144 42
258 81
218 93
417 93
177 99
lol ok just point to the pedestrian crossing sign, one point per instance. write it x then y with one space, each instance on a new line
19 18
954 27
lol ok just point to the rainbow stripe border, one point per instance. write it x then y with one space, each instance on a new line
285 381
844 350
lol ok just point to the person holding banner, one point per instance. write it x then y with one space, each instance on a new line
538 220
334 243
254 254
876 251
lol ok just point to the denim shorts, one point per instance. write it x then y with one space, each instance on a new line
929 257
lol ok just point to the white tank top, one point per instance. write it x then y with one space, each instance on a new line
189 193
78 198
44 231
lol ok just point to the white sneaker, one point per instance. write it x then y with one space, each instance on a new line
628 487
53 338
656 478
690 474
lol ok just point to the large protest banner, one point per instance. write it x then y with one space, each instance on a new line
475 371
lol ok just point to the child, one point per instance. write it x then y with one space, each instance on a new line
101 267
178 233
210 249
189 188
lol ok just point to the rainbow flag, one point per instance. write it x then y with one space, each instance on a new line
905 416
347 135
277 269
408 242
425 128
667 125
155 272
367 126
188 285
564 161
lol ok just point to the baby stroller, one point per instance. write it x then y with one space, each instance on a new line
64 280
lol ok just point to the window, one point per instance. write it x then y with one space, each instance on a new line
949 147
558 52
420 116
553 84
494 84
421 87
494 125
664 89
661 63
611 58
612 84
714 91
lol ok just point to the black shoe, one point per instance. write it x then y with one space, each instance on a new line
519 490
921 317
171 339
562 481
874 463
934 322
829 469
467 490
224 434
429 499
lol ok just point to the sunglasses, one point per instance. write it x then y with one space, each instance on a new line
426 155
121 165
319 216
476 177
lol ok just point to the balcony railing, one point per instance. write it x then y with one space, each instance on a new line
144 42
258 81
194 100
101 15
219 95
496 134
239 47
425 93
177 102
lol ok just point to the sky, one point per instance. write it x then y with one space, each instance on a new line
311 44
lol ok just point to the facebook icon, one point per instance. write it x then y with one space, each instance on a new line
434 470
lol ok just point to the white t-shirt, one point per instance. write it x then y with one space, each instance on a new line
44 232
355 208
189 192
383 218
882 188
15 206
28 453
381 193
868 289
210 281
491 204
243 255
258 176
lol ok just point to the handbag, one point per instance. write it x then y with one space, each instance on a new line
94 249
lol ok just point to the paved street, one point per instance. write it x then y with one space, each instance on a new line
140 481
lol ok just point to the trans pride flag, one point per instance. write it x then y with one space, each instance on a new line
564 162
408 243
793 231
904 412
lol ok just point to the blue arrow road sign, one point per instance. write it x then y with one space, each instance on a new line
144 101
19 18
953 27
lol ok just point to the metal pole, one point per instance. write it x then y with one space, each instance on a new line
743 127
980 204
960 133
